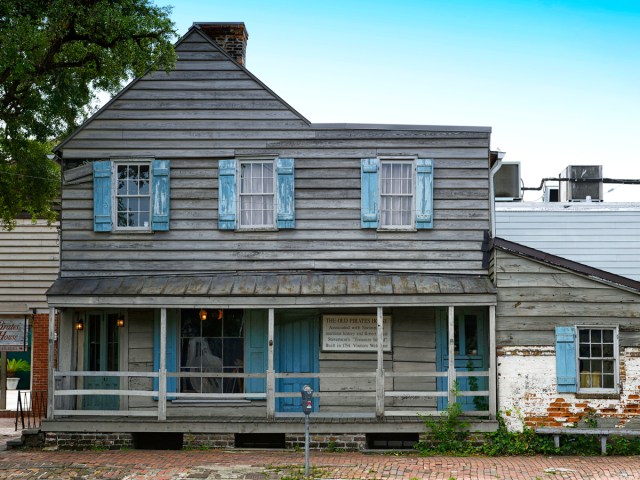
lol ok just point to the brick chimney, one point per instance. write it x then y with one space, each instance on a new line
232 37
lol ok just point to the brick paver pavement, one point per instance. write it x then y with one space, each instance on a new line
272 465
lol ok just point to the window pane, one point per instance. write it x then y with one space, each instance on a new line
607 336
607 350
608 381
212 327
596 336
233 352
596 351
584 350
584 336
471 334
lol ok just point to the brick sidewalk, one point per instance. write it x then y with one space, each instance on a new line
272 465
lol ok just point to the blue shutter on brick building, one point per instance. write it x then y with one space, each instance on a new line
566 359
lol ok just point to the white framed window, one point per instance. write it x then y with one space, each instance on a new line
132 195
257 195
397 194
597 358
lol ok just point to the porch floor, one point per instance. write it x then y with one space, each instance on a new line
281 424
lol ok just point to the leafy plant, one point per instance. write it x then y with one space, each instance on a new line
448 434
15 365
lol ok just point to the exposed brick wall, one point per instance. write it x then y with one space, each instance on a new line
344 441
210 440
85 441
40 351
528 391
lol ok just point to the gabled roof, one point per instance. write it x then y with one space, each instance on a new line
555 261
195 29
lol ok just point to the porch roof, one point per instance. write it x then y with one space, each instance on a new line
272 289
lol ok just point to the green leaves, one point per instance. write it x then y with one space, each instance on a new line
55 57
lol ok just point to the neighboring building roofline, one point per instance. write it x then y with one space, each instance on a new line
391 126
554 260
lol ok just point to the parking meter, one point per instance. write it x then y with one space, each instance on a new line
307 399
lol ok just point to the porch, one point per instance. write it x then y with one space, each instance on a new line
396 363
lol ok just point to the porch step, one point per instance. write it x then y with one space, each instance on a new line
14 443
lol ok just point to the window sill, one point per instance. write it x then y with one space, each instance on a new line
598 395
408 229
229 402
132 231
257 229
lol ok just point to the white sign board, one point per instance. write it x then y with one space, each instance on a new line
354 333
12 335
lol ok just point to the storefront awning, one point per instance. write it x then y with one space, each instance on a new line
273 290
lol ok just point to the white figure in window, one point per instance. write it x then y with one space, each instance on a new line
199 356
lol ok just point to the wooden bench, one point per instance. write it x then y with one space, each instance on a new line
603 433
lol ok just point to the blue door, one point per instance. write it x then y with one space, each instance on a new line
471 353
297 341
101 352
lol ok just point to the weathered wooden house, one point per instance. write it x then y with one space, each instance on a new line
219 251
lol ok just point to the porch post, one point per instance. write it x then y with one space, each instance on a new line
162 372
380 369
271 379
50 354
452 357
493 394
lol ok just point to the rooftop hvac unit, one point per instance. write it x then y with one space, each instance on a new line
579 190
506 183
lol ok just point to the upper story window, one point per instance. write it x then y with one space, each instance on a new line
396 194
257 195
397 204
133 196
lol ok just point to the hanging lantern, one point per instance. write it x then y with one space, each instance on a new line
203 314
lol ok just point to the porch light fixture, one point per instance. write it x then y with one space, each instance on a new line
120 321
220 314
203 314
79 324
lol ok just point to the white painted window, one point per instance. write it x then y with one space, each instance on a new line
257 194
597 359
397 195
132 192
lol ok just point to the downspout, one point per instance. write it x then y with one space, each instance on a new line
492 198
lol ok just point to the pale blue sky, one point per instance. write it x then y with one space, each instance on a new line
558 81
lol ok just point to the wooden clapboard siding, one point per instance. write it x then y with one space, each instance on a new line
604 236
534 298
209 109
29 262
140 355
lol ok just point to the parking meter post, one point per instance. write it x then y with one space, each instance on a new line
307 408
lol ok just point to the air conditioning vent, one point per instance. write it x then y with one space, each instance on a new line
581 191
506 183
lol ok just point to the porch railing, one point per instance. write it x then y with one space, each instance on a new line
271 394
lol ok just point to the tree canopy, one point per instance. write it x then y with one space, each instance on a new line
55 56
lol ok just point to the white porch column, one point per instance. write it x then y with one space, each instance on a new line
162 372
271 379
50 354
380 369
451 376
493 393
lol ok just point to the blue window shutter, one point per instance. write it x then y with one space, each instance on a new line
566 359
424 193
227 194
102 221
255 328
161 197
369 193
285 201
172 354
